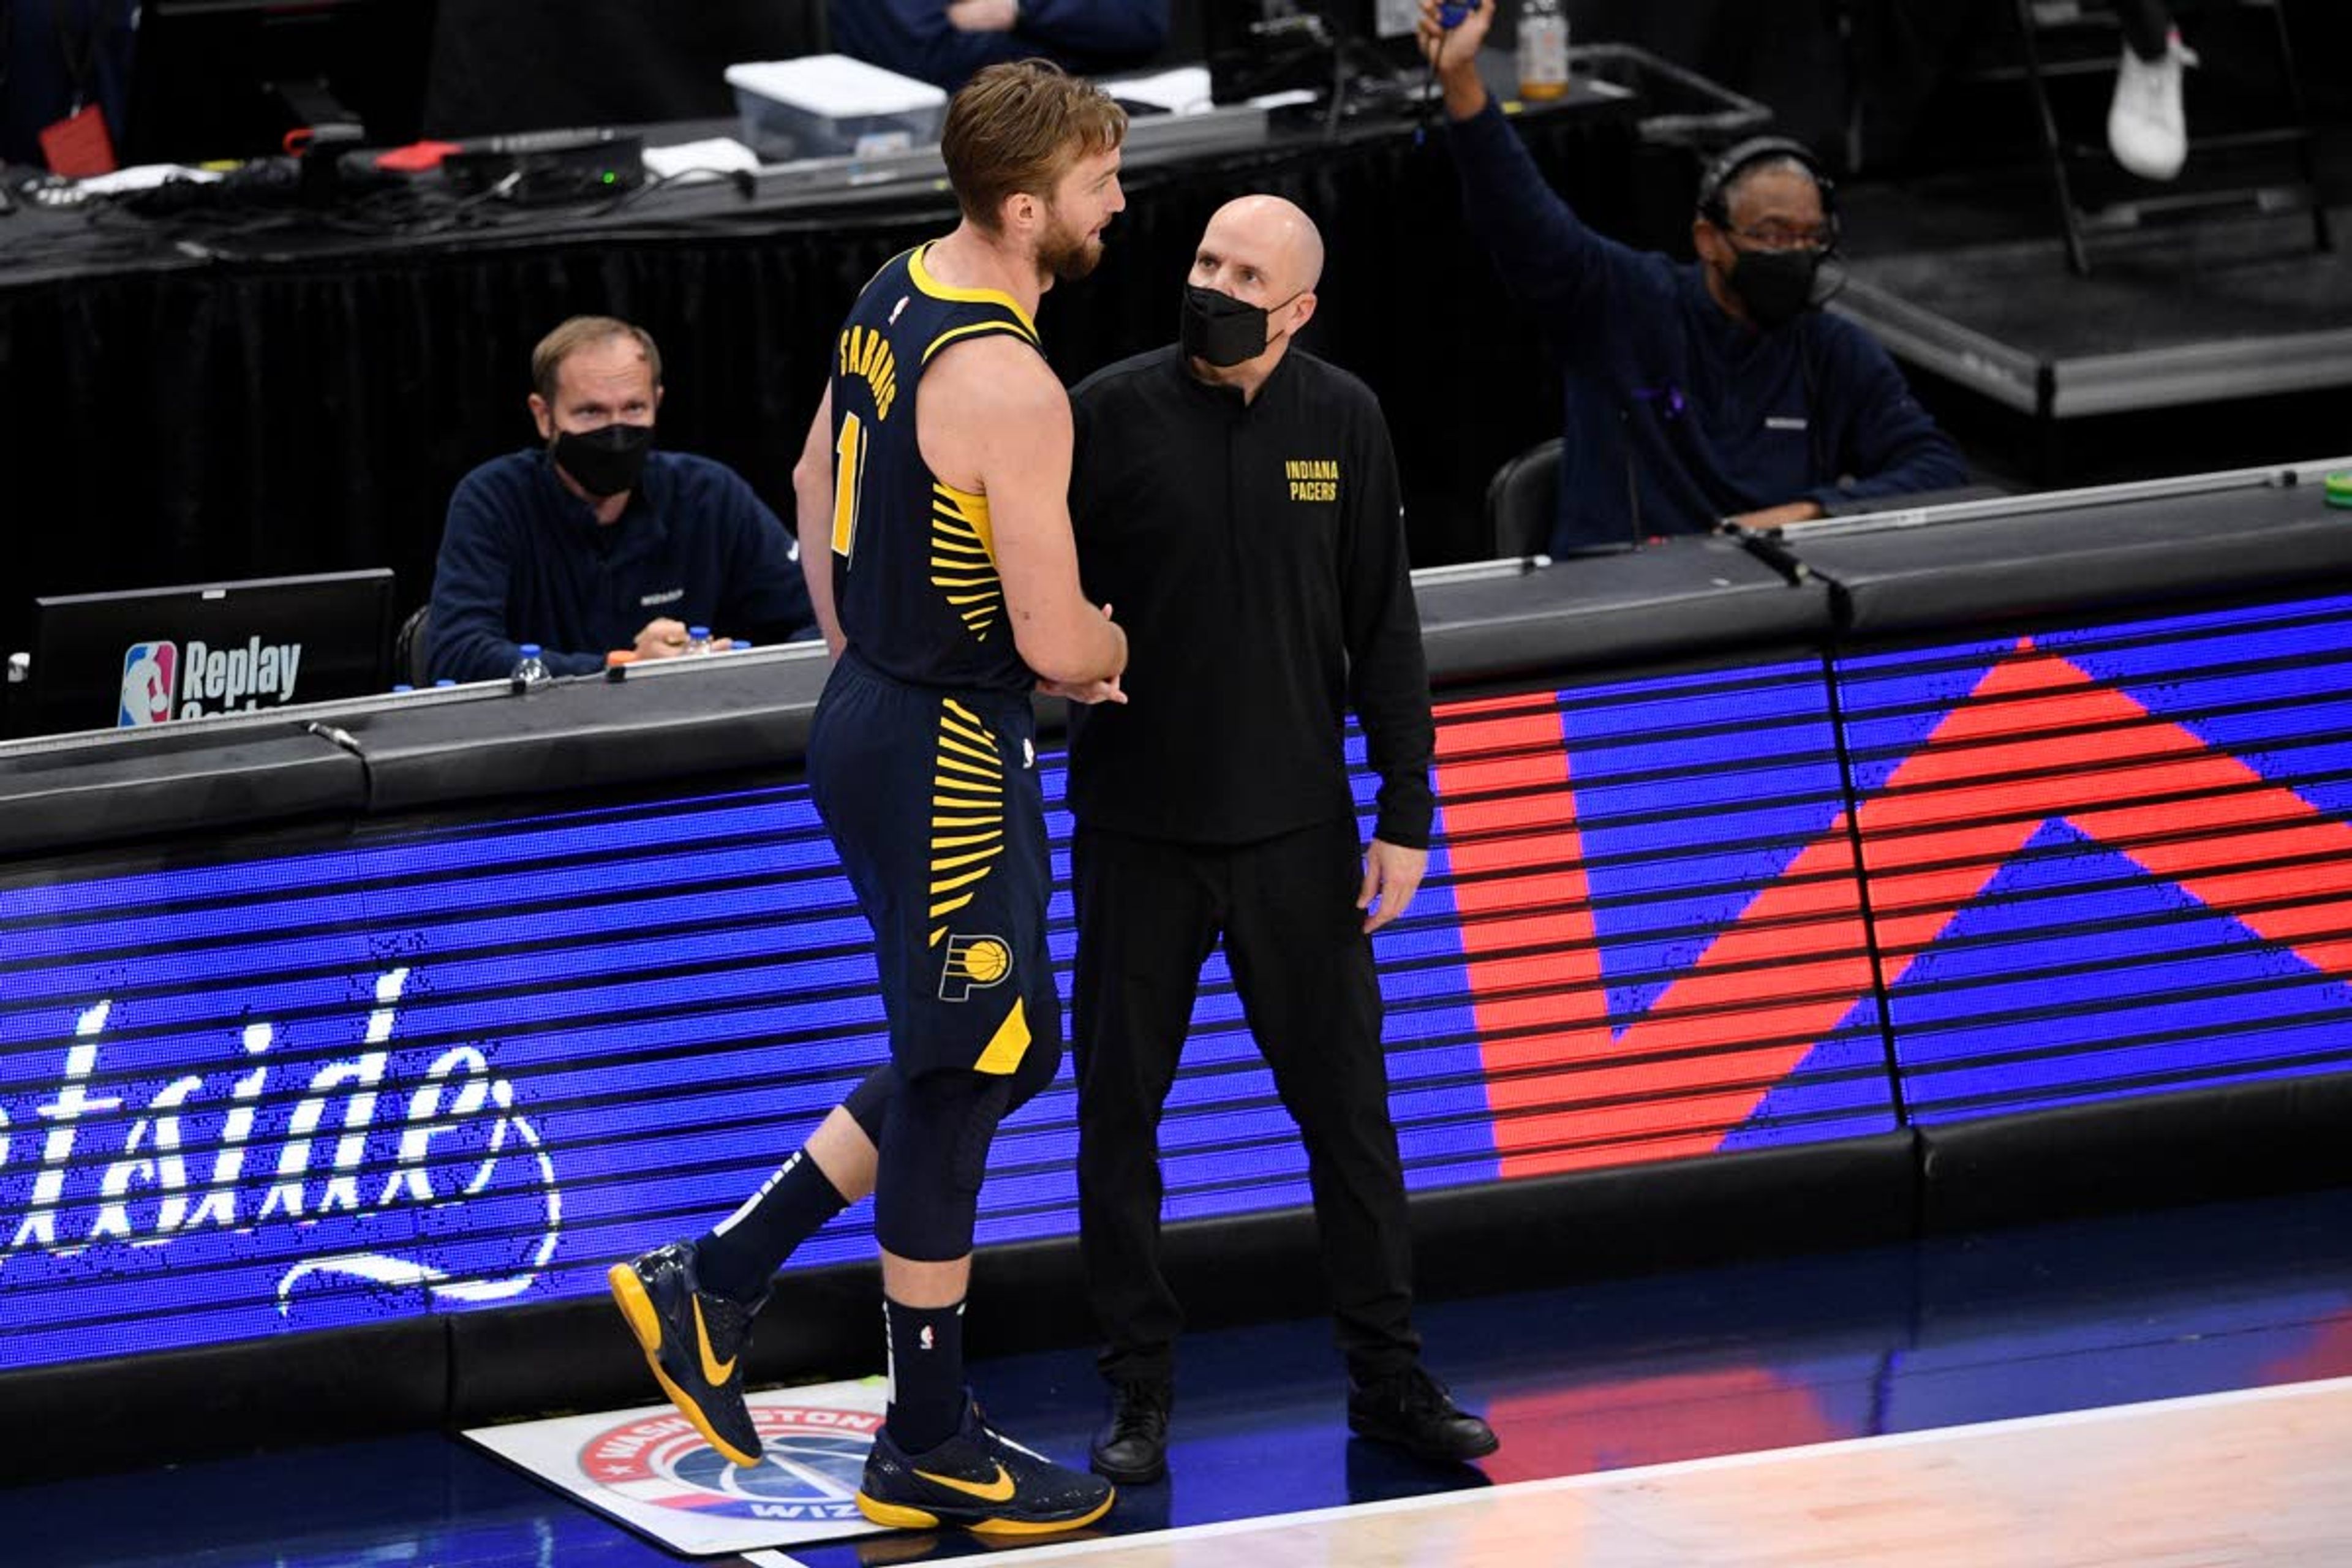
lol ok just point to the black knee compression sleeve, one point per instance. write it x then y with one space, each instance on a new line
869 1102
934 1153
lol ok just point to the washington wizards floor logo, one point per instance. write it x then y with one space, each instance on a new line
812 1458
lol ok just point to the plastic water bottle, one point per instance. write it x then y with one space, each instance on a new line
1543 50
531 670
697 639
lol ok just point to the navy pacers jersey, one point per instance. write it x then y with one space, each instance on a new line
914 560
921 759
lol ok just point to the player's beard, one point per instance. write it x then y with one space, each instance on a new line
1065 253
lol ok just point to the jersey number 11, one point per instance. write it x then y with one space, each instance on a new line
848 479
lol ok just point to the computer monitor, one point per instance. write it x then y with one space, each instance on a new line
228 78
1388 27
158 656
1256 47
1261 46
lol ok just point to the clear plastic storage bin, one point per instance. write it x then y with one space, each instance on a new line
826 106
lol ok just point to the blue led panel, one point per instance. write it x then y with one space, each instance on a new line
1662 918
2112 861
441 1069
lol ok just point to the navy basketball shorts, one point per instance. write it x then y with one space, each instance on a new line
933 803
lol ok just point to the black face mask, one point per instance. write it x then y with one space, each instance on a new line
1777 286
604 461
1223 329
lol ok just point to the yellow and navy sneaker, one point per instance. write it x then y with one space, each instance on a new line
979 1481
695 1343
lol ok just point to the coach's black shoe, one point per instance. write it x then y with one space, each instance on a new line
695 1343
1413 1410
979 1481
1132 1446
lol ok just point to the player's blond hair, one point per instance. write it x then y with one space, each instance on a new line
1018 128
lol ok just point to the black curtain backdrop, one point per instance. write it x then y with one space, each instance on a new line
248 419
530 64
525 65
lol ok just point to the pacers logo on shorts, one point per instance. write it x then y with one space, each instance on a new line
974 964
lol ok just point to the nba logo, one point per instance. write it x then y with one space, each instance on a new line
151 672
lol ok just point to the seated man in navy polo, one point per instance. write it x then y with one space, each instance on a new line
597 542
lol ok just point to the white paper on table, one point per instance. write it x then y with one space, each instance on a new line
709 159
1184 90
144 177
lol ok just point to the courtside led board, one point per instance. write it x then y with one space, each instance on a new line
449 1066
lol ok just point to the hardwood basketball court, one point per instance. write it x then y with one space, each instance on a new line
2257 1476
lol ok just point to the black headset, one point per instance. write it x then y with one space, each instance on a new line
1715 181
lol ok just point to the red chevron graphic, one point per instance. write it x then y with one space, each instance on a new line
2035 741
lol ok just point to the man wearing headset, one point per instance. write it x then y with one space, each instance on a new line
1695 395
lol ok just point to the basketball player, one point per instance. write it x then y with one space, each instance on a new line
934 490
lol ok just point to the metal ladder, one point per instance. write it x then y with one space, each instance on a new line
2082 228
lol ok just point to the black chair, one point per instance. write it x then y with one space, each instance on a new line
1522 500
412 648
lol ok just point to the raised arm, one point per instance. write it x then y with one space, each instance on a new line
813 503
1545 253
992 418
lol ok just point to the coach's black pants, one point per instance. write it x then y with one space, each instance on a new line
1149 912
